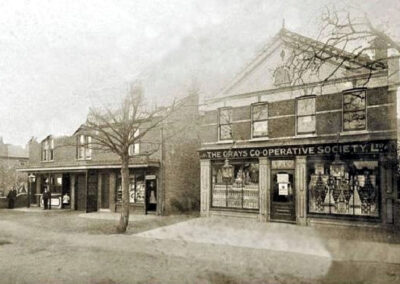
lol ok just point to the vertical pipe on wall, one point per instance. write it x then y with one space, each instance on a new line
161 186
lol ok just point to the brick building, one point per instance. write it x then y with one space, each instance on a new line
67 165
315 152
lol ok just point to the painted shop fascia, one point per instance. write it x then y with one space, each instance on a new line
354 148
322 152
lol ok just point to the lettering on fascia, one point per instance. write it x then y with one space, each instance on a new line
289 151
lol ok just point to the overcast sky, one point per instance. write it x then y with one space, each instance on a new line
58 58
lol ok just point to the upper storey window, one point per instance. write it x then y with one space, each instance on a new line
84 147
306 115
225 123
259 115
354 110
48 149
134 148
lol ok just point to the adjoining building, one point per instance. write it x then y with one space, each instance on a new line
11 158
318 152
160 179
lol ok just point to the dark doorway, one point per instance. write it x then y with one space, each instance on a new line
80 192
65 192
283 196
151 195
91 205
105 191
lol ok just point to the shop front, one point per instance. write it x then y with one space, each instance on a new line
332 182
143 192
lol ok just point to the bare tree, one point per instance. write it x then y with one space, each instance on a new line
351 42
115 130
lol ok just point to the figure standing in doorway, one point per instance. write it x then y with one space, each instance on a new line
45 198
151 196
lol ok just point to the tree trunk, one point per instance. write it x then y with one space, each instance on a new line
124 218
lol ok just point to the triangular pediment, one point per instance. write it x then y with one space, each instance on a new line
269 70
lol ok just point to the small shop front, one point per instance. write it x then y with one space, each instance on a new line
349 182
143 191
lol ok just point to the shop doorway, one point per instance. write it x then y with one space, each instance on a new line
80 192
283 196
91 199
151 196
105 191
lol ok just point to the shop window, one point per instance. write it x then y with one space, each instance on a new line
225 123
239 192
84 147
48 149
259 114
306 115
136 189
344 187
134 148
354 110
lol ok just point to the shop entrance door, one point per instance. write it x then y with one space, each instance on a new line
80 192
91 199
105 191
282 196
151 196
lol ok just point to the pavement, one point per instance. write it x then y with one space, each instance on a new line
341 244
280 237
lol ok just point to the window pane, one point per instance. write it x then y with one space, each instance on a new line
260 112
82 139
260 128
88 153
306 124
81 152
140 185
354 101
136 148
225 116
89 147
225 132
306 106
354 120
132 197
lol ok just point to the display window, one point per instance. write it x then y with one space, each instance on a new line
136 188
240 191
348 187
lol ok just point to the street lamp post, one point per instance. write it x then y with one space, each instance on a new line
31 179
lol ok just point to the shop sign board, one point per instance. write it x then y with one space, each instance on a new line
150 177
370 147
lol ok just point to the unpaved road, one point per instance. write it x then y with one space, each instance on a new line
60 247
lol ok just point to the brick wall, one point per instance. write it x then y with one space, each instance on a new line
381 110
181 161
